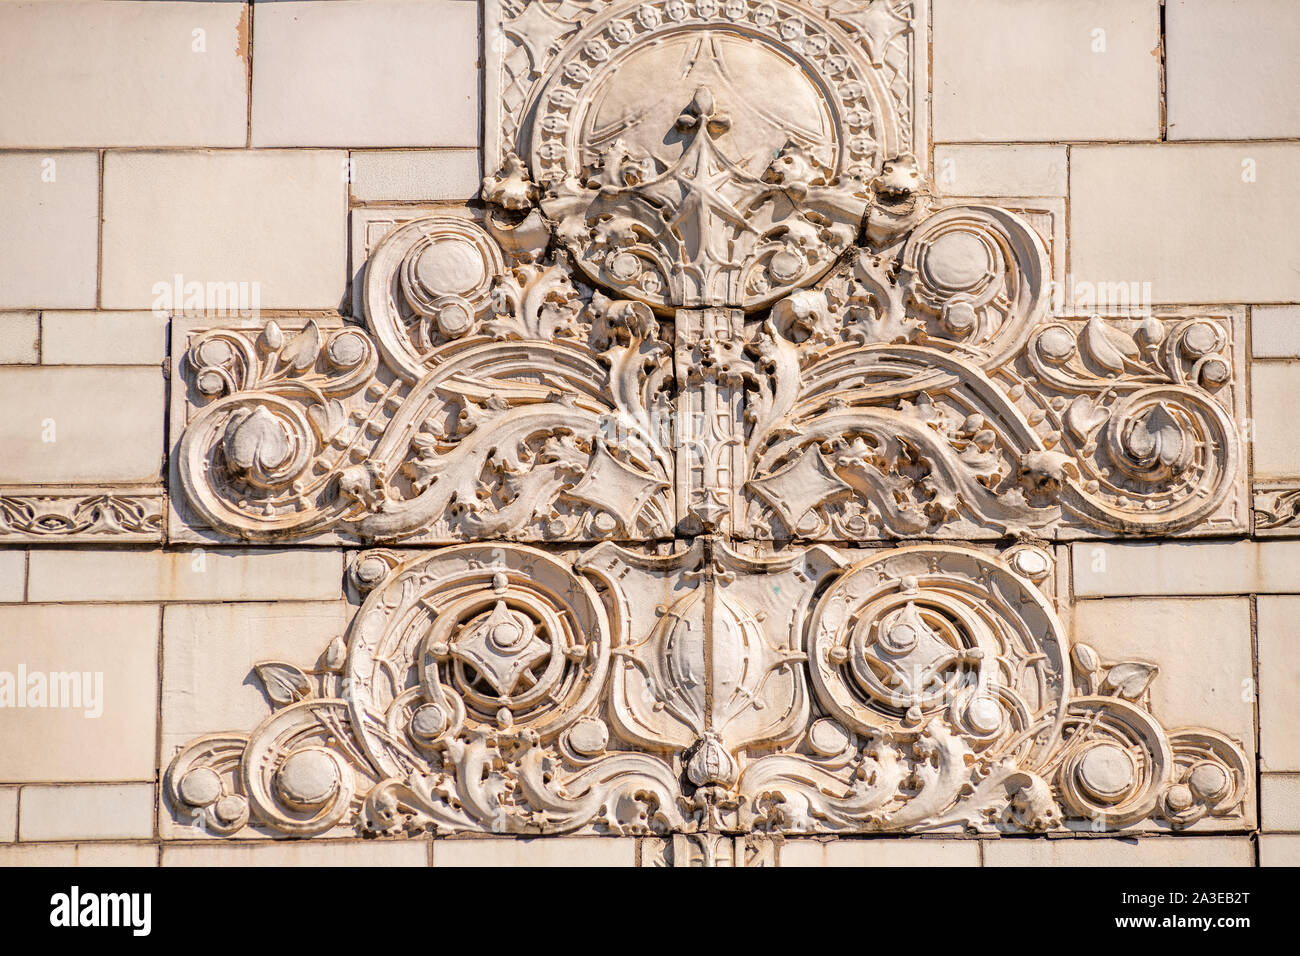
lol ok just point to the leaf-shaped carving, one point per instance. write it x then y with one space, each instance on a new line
271 338
284 683
1107 346
1130 679
302 351
256 441
1085 658
328 418
1156 434
1083 417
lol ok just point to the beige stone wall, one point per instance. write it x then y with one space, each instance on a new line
245 143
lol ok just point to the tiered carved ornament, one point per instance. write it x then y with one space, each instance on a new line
702 322
508 690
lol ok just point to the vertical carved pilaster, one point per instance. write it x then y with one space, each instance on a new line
710 420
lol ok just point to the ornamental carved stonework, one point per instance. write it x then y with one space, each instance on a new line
709 476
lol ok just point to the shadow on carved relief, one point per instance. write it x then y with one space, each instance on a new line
710 333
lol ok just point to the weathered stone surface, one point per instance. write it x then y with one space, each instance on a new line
13 575
1279 850
881 852
103 338
1185 568
20 338
97 84
79 854
1280 801
1229 67
1006 71
1279 675
50 244
8 814
1207 851
415 175
305 94
103 662
1275 390
102 812
1275 331
81 425
541 852
191 575
1001 170
371 853
259 229
1137 214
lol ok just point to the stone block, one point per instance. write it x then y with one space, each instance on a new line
1007 71
1015 171
305 574
123 74
102 812
326 854
415 175
362 73
103 338
1278 637
99 664
49 247
1144 214
882 852
543 851
225 233
81 425
20 338
1230 69
1197 851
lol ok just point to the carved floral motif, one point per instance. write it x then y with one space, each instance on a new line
699 344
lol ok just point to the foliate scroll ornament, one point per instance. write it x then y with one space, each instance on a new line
503 689
71 514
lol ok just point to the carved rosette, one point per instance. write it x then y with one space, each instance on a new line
696 351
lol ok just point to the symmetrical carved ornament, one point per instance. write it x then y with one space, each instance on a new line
709 337
72 514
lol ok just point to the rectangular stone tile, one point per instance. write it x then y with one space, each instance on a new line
8 814
1000 170
1185 568
1275 331
79 854
81 424
304 574
123 74
20 338
541 851
884 852
383 853
1150 851
1139 214
13 575
103 812
390 86
1278 638
265 227
1231 69
415 175
99 664
49 246
1274 394
1202 647
1009 71
103 338
208 656
1280 801
1279 850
